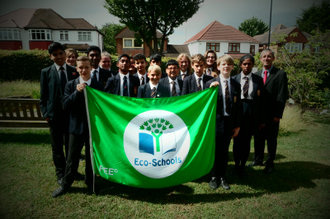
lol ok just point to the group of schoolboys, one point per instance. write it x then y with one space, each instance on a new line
63 104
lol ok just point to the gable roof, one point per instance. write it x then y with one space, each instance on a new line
127 33
43 18
217 31
275 31
175 50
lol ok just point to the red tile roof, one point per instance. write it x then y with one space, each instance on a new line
217 31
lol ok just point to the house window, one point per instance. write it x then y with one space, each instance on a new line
213 46
40 35
64 35
85 36
294 47
131 43
233 47
252 49
10 34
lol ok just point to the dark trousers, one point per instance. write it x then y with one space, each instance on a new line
59 134
241 147
222 142
269 133
76 143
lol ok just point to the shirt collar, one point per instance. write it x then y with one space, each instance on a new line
249 76
122 76
269 70
183 73
82 81
58 67
222 79
196 76
170 80
97 69
152 86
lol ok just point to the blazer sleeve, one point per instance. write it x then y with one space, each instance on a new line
140 92
44 93
185 88
108 85
71 96
282 93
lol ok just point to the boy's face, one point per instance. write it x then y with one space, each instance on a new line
84 68
124 64
183 63
154 77
246 66
140 65
267 59
153 62
172 71
95 56
71 60
58 56
105 62
210 58
225 69
199 68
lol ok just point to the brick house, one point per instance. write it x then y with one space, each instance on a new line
28 29
223 39
299 41
127 43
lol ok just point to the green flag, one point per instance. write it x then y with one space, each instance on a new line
152 142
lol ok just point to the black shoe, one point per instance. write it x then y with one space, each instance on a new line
214 183
234 171
58 192
224 184
255 163
59 181
268 169
79 177
242 173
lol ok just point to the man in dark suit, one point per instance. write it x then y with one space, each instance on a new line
153 89
253 113
97 73
74 102
228 119
123 83
156 59
172 82
105 63
196 81
140 63
52 82
276 90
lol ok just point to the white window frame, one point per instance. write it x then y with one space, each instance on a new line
84 36
10 34
293 47
64 35
133 43
40 34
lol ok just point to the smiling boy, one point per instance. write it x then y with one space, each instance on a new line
140 63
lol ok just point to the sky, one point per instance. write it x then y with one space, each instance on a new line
227 12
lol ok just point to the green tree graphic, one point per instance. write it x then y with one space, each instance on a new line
156 126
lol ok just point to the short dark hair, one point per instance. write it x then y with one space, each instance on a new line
172 62
139 56
55 46
124 55
91 48
156 57
243 58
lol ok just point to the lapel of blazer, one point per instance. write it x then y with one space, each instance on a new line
193 83
131 84
71 73
272 74
117 84
148 90
55 76
232 89
255 86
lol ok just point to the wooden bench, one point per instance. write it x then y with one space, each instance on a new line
21 113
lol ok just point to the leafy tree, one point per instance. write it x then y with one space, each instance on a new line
156 126
313 17
110 30
306 69
253 26
145 17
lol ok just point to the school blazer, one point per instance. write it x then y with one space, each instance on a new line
190 83
258 99
74 103
276 93
235 109
51 93
145 91
165 82
113 85
104 75
137 76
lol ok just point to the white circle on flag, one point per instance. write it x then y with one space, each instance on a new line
156 143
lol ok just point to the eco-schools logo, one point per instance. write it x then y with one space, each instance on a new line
156 143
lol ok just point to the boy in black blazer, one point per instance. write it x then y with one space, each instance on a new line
140 63
253 113
196 81
123 83
52 83
153 89
74 102
228 118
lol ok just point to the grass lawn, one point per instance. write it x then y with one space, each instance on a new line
299 187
